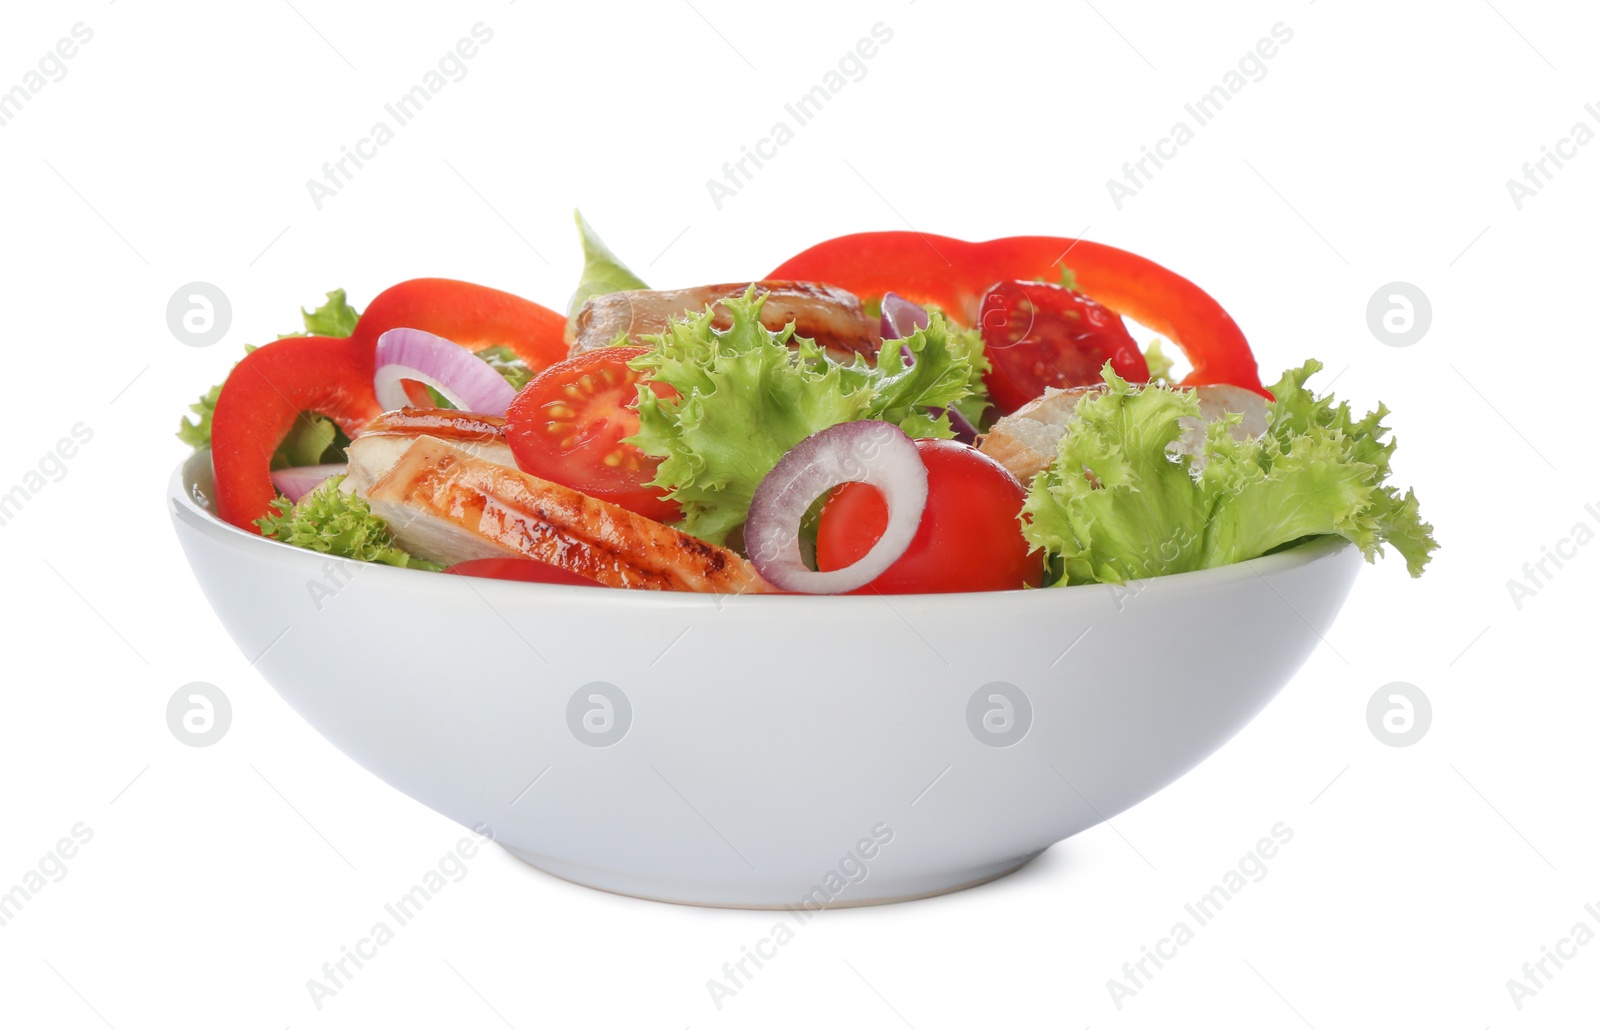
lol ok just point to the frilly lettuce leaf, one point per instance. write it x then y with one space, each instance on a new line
1114 505
974 407
197 432
745 396
334 318
342 524
1118 504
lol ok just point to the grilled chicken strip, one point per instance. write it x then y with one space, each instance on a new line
826 314
388 436
444 504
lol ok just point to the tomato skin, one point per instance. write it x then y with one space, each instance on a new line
1039 335
476 317
969 538
953 274
525 570
567 425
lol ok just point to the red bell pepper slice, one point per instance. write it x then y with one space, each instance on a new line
953 274
476 317
260 401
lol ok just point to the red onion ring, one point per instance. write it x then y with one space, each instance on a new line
875 453
901 317
464 379
294 483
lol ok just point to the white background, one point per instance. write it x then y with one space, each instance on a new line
1376 149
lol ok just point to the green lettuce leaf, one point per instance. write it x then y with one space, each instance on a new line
1159 363
197 433
333 522
938 375
511 368
312 440
974 407
1117 504
334 318
603 271
745 396
1114 506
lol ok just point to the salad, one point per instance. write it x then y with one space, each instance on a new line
885 412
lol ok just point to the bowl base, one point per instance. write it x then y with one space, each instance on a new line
883 890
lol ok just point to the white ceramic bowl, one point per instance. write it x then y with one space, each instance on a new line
765 751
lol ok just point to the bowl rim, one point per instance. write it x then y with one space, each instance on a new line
189 511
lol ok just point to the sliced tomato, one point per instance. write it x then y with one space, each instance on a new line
954 274
1037 335
526 570
569 426
969 537
476 317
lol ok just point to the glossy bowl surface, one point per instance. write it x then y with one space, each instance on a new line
765 751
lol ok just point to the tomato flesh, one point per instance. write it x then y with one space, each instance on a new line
569 424
526 570
1039 335
969 537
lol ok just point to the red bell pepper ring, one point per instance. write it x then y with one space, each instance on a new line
953 274
260 401
476 317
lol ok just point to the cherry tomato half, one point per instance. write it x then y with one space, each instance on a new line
969 537
568 426
526 570
1037 335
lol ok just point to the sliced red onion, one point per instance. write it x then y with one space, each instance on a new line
965 431
294 483
875 453
464 379
901 317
